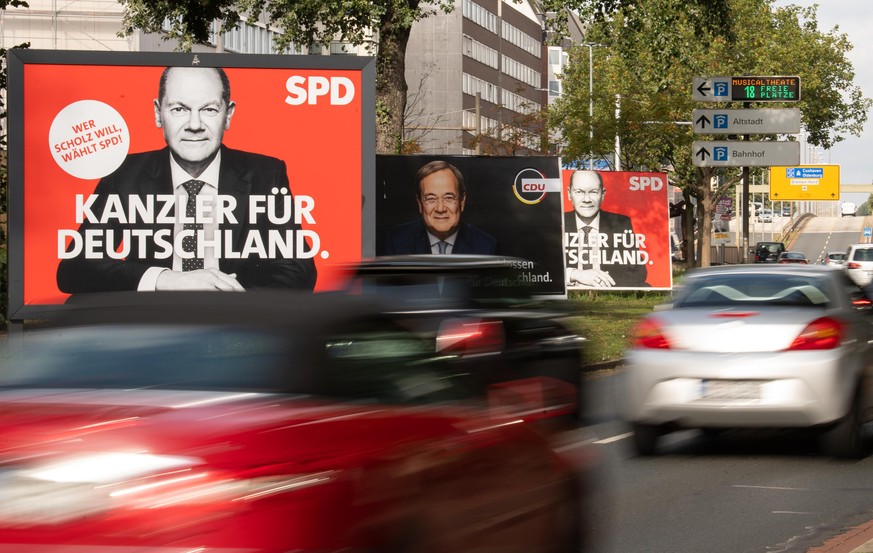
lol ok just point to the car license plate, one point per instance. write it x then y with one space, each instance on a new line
731 389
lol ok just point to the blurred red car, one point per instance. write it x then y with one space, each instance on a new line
792 257
170 422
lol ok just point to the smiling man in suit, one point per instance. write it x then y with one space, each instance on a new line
441 197
600 247
211 186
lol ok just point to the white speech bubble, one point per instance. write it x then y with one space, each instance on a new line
89 139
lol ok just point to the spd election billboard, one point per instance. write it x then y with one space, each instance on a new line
616 230
511 207
225 171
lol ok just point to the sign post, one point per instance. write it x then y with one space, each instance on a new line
745 154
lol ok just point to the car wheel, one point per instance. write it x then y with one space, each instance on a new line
846 438
645 438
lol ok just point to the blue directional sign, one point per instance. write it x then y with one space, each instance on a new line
804 172
868 231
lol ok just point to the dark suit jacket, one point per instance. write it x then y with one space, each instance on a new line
611 224
241 175
411 238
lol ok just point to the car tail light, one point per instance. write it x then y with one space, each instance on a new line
861 303
75 488
853 265
823 333
470 336
649 334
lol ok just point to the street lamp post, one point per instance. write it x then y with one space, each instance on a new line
591 46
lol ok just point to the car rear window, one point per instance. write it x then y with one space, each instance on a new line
370 360
863 254
757 289
773 248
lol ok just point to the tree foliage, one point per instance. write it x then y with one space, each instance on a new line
649 52
4 180
308 22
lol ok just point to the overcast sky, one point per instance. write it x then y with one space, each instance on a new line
854 18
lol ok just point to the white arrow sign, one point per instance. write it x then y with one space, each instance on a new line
711 89
746 121
716 153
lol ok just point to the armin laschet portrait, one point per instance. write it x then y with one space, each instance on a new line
440 195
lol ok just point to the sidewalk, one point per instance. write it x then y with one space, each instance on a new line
857 540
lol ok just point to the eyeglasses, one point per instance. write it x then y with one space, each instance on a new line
431 200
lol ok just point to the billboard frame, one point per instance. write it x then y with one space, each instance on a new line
18 59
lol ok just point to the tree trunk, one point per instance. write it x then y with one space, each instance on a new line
391 84
704 216
688 241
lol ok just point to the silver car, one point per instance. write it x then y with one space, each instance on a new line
753 346
859 263
835 259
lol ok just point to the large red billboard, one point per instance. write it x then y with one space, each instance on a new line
103 147
616 230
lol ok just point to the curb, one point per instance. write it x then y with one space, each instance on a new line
856 540
602 366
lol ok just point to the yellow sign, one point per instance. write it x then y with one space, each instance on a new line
805 182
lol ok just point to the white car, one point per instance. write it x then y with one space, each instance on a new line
835 259
753 346
765 216
859 263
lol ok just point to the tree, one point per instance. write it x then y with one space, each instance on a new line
305 22
4 180
645 70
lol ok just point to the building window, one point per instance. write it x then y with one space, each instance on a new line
520 71
479 52
521 39
480 16
554 88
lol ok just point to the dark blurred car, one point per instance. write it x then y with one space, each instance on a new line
768 252
479 309
268 423
792 257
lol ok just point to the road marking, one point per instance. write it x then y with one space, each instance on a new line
794 513
614 438
772 488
